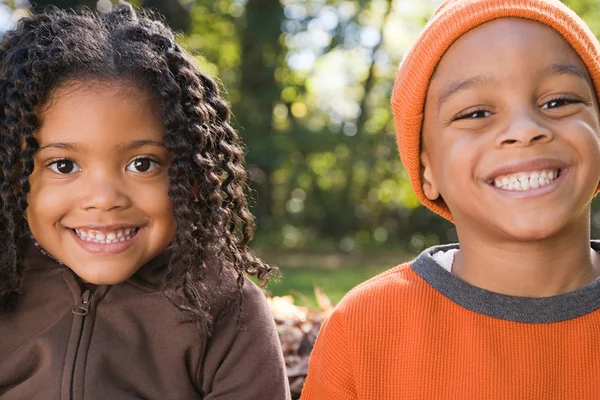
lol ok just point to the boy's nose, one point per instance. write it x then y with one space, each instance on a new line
524 132
103 193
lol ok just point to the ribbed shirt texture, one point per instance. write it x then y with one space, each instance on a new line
419 332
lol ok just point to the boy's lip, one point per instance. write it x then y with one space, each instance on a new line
526 165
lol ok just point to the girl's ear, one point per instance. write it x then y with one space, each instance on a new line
195 191
429 186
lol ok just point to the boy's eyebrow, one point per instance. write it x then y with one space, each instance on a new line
480 80
74 147
562 69
463 84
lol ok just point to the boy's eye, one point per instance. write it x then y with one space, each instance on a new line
142 165
559 102
477 114
64 167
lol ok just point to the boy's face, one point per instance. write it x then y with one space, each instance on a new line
98 200
511 132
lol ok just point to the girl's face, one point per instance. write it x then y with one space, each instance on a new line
99 191
511 132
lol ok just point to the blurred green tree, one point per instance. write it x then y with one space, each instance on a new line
309 83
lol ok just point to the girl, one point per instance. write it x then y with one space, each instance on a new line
123 223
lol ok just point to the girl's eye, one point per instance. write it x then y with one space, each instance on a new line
64 167
142 165
559 102
477 114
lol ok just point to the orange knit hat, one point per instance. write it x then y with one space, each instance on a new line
453 19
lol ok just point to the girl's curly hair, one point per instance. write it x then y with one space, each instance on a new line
207 176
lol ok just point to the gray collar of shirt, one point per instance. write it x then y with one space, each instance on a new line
511 308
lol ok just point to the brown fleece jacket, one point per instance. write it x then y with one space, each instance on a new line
131 343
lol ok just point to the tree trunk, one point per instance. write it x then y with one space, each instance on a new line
259 90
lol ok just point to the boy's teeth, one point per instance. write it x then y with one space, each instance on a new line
111 237
522 181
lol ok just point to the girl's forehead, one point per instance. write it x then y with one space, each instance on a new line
93 87
98 116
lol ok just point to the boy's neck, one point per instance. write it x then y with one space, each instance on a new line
542 268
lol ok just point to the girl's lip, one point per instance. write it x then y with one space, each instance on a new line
105 248
105 228
532 193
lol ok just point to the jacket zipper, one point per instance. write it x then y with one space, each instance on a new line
80 310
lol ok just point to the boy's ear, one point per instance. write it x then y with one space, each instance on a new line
429 186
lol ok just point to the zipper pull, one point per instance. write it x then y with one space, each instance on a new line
83 307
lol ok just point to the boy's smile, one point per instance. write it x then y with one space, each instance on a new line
510 132
99 191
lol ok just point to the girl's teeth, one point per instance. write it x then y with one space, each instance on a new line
112 237
524 181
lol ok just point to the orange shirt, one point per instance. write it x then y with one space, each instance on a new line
419 332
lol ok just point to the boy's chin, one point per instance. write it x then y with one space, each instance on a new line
529 230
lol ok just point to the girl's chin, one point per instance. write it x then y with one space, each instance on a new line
102 277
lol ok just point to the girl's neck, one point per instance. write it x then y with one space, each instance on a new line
541 268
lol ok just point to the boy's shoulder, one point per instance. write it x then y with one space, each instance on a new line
384 291
406 285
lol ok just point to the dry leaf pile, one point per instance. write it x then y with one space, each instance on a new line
298 328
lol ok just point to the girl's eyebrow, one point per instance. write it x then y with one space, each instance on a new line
136 144
75 147
62 146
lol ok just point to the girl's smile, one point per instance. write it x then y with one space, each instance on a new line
99 191
107 239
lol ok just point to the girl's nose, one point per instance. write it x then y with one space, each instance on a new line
103 193
524 131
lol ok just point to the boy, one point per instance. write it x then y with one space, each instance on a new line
498 126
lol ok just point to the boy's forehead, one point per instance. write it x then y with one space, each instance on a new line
494 49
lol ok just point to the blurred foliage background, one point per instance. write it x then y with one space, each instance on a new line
309 83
